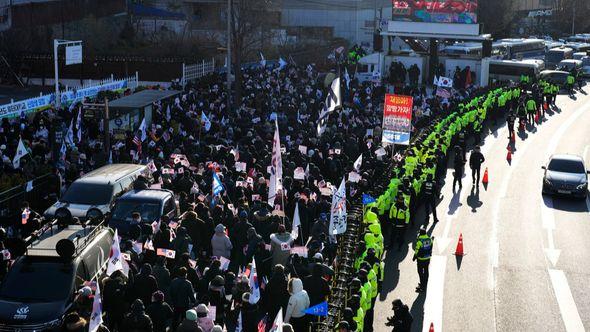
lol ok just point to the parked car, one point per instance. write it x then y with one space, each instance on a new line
566 174
151 204
39 289
92 195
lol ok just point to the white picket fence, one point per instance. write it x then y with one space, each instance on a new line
197 70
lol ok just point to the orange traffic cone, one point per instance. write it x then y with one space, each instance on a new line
431 329
485 177
545 106
537 117
509 155
459 250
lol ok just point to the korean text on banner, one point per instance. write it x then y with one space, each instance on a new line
397 119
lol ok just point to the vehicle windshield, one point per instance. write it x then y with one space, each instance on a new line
88 194
566 166
554 57
45 282
148 211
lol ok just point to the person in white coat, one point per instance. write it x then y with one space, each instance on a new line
298 302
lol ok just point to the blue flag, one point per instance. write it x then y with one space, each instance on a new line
367 199
318 309
217 185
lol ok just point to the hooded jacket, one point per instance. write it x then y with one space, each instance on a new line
220 243
298 302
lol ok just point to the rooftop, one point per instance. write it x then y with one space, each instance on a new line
142 99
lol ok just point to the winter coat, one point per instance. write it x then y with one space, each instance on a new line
276 295
280 247
317 288
182 294
402 319
221 245
137 322
160 313
298 302
188 326
143 287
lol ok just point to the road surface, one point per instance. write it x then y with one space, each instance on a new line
525 267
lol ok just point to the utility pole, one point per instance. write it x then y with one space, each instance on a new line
229 22
573 17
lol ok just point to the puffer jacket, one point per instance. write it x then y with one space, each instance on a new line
298 302
280 246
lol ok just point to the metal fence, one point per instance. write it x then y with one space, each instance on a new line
197 70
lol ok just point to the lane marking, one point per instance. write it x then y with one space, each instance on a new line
548 222
565 300
433 304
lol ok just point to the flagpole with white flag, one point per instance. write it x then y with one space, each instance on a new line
253 282
276 165
96 316
296 222
277 325
115 260
262 60
358 163
338 211
143 129
333 101
21 151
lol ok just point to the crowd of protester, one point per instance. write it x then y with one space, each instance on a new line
206 286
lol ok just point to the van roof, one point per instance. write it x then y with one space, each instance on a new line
110 173
146 195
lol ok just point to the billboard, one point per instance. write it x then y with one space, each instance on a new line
397 119
435 11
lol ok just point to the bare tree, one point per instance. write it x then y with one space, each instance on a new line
251 19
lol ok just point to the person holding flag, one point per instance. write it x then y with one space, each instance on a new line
21 151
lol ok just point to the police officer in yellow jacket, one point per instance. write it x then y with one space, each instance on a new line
400 217
422 253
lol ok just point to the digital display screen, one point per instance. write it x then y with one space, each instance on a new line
435 11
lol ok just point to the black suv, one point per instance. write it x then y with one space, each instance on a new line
40 287
151 204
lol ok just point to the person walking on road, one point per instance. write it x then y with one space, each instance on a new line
400 217
430 197
475 160
510 120
402 318
531 109
422 254
459 165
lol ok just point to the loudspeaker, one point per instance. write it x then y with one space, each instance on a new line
487 49
377 42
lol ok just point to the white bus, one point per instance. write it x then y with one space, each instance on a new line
511 70
555 55
469 50
579 47
520 48
580 38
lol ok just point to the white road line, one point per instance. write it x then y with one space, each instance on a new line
565 300
433 304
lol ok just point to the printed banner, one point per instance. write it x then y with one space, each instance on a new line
40 103
397 119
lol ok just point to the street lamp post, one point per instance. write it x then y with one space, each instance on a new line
56 44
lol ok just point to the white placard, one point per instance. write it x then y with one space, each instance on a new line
73 55
299 173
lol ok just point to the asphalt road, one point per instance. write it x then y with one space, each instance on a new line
525 265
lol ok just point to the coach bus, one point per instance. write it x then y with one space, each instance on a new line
511 70
555 55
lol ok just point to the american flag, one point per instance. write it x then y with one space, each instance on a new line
137 142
